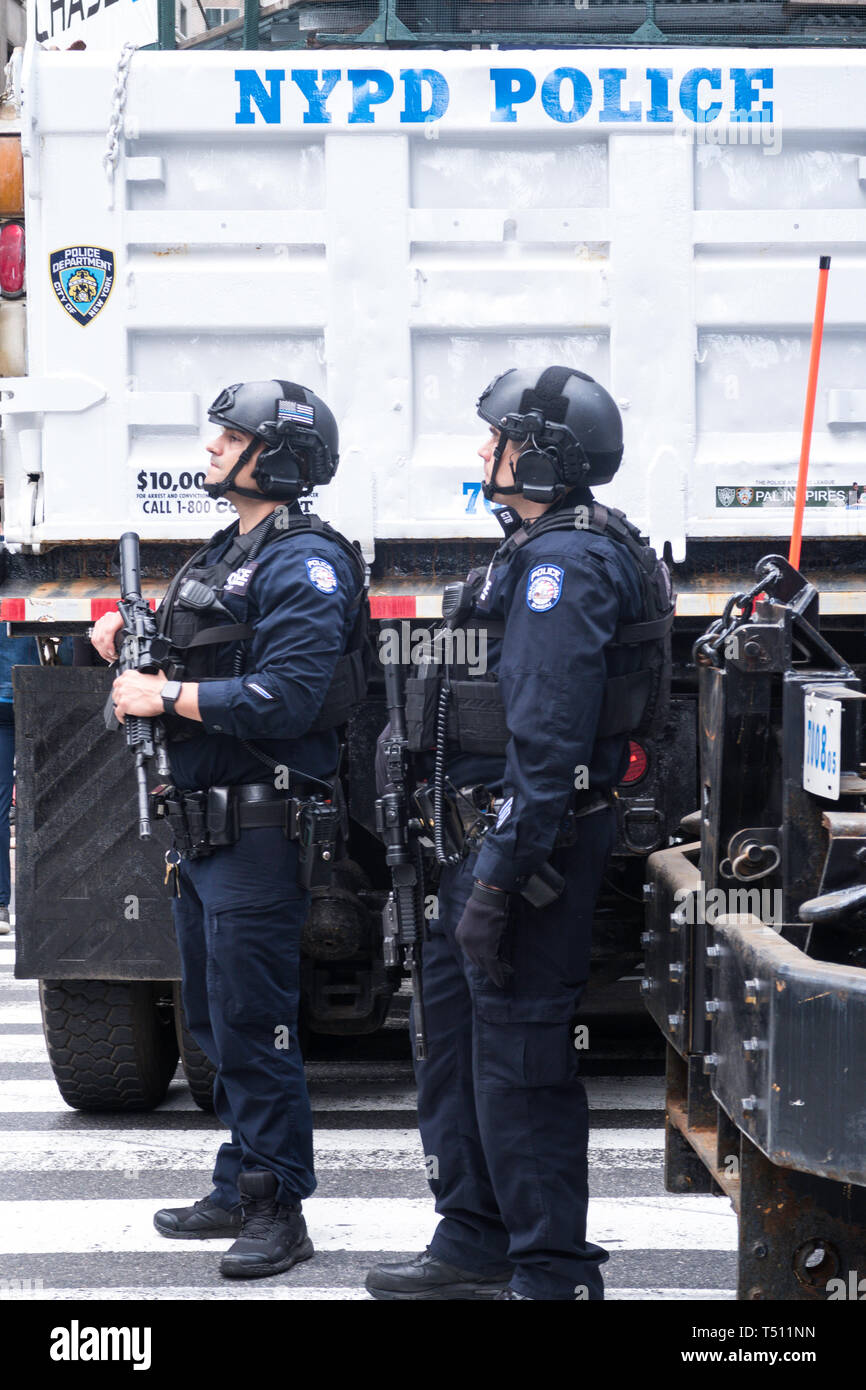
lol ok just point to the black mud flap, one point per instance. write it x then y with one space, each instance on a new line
90 901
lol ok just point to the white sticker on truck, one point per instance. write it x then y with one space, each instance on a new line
822 746
173 492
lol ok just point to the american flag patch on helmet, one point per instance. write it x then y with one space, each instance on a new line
297 411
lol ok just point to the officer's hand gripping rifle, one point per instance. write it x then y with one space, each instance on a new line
145 736
403 915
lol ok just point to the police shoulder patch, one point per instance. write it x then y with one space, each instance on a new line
321 574
543 587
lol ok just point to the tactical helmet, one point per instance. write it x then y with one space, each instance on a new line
300 434
571 425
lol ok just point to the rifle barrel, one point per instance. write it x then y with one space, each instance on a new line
419 1024
143 802
130 571
395 698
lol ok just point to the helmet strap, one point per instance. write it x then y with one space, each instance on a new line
217 490
493 489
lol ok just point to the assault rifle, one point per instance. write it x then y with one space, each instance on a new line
403 915
145 736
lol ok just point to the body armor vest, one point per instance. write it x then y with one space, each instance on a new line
193 623
634 703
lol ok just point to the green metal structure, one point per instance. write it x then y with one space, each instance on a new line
533 23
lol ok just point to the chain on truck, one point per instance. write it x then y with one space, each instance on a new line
639 190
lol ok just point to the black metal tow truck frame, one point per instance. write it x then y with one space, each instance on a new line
756 950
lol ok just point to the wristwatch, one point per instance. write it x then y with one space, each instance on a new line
169 693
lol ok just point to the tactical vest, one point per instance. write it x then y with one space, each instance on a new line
634 703
193 623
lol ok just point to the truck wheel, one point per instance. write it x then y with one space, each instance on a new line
198 1069
110 1046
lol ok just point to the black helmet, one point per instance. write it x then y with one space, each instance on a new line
298 429
572 425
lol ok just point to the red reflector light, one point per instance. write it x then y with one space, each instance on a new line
638 762
12 260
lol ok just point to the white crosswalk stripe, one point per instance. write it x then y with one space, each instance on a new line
355 1223
615 1093
79 1191
133 1150
20 1013
22 1047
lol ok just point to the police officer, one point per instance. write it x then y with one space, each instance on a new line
264 631
502 1112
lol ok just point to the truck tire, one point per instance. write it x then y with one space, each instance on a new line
110 1046
198 1069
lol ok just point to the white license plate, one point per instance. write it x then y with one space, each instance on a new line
822 746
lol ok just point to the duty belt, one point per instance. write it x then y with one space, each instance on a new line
202 821
469 812
469 804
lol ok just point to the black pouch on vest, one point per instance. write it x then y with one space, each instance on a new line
480 717
625 701
346 691
422 697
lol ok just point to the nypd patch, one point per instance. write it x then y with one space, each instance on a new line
82 278
321 574
543 588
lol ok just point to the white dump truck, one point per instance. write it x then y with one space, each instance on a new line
392 227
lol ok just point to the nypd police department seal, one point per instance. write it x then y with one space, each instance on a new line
321 574
543 587
82 277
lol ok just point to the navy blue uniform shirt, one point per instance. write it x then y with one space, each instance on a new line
561 597
299 602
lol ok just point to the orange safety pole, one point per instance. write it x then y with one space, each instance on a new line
811 390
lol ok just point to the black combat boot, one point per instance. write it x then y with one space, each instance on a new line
426 1277
273 1237
204 1220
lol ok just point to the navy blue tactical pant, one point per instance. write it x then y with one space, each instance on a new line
238 922
502 1112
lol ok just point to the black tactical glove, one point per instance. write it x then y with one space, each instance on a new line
481 929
